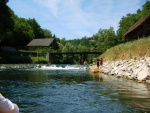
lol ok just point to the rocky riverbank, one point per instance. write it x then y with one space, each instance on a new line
133 69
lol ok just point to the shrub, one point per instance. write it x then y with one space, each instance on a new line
39 60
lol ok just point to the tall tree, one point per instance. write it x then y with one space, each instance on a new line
38 31
23 32
145 9
47 33
130 19
6 22
125 23
106 38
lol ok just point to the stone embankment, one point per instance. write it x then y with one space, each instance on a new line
133 69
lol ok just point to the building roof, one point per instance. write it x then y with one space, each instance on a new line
41 42
137 24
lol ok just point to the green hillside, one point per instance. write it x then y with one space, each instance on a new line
129 50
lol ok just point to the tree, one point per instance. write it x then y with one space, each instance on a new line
68 48
3 1
145 10
6 22
63 41
38 31
130 19
106 38
125 23
47 33
23 32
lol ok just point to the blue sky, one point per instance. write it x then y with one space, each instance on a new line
73 19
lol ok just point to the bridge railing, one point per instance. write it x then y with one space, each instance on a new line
65 52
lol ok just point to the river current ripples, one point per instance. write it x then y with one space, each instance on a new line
72 89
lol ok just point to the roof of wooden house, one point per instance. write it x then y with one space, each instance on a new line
41 42
137 24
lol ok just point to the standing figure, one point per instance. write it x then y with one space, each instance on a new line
97 63
101 61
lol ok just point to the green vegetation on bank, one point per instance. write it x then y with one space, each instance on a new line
39 60
130 50
23 60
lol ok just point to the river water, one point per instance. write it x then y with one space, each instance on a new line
72 89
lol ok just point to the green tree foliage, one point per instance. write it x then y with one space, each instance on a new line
145 10
68 58
125 23
82 44
63 41
3 1
47 33
19 31
23 32
38 31
130 19
6 22
105 39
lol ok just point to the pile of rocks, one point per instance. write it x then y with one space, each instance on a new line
133 69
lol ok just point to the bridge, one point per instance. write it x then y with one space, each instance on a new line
82 54
51 55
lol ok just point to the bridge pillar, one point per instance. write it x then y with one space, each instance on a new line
47 56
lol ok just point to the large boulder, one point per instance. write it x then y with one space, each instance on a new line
143 74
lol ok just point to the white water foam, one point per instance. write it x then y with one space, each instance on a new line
61 67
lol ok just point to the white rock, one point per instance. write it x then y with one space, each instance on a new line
143 73
148 81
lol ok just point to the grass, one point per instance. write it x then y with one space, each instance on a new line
129 50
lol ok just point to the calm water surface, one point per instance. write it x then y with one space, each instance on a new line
72 89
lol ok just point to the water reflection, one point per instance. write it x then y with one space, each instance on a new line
128 92
23 75
61 91
97 76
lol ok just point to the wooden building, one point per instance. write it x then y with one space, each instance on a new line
139 30
41 43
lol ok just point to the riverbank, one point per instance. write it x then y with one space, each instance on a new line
130 50
138 69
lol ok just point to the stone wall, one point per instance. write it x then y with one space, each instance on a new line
133 69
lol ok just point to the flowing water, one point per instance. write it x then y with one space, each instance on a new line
72 89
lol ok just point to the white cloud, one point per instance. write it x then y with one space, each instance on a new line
85 17
51 5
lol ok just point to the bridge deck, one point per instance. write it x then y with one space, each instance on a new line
76 53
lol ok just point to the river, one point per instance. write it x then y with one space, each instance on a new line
72 89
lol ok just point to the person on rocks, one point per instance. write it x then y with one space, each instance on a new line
101 61
97 63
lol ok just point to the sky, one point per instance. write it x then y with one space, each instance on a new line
74 19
